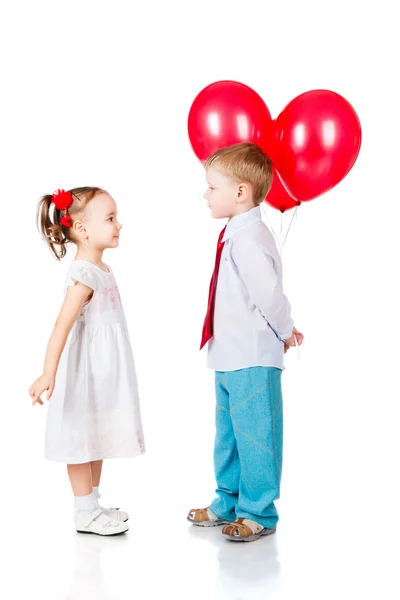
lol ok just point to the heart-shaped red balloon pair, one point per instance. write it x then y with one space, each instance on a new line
317 138
314 142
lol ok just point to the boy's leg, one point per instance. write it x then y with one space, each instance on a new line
257 419
226 458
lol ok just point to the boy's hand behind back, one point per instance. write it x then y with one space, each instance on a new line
296 336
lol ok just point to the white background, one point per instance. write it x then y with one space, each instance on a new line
97 93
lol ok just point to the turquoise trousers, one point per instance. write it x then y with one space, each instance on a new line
248 444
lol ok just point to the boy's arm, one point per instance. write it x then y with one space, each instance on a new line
256 269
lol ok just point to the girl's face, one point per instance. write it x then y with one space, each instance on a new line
100 222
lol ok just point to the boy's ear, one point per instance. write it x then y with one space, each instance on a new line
243 191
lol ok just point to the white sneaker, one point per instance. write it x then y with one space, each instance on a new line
99 523
116 514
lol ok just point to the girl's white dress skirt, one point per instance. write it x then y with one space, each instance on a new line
94 412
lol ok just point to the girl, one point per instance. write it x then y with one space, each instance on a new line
94 413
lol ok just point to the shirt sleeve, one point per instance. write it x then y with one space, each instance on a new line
257 272
82 272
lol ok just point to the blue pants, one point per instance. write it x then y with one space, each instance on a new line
248 444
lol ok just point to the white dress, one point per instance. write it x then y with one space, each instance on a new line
94 412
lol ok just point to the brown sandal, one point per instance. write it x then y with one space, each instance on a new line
201 518
240 532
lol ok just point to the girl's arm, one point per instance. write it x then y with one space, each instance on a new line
75 298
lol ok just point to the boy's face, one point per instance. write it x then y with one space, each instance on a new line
221 195
225 197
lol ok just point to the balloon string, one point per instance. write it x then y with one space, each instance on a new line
265 213
297 348
290 224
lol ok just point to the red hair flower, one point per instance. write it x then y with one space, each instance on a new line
62 199
66 220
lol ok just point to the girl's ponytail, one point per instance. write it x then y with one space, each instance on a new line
48 220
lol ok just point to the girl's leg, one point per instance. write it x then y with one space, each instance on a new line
89 517
80 477
96 468
117 514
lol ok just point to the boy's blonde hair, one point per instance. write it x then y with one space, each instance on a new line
245 163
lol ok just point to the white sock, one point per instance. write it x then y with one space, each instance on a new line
211 516
96 492
85 504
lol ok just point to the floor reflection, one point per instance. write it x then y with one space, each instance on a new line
87 580
245 568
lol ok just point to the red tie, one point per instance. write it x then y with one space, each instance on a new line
208 327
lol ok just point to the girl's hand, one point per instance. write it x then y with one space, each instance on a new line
43 383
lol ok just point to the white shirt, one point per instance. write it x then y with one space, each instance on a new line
252 315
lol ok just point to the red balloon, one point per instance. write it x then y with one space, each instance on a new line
317 141
278 196
225 113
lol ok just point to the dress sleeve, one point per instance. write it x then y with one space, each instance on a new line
84 273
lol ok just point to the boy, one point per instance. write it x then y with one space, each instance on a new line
248 328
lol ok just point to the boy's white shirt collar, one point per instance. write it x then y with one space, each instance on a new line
240 221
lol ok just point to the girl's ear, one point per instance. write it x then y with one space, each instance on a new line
80 230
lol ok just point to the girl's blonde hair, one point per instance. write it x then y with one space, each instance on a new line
245 163
48 218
